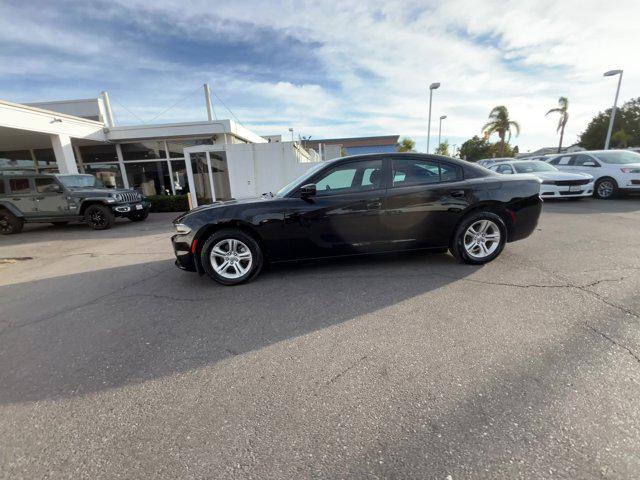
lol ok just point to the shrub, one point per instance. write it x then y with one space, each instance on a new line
169 203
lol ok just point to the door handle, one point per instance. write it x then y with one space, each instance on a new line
375 204
457 193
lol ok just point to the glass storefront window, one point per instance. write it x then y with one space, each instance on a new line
176 147
143 150
107 173
149 178
98 153
180 181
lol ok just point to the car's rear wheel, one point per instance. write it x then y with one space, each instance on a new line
99 217
9 223
605 188
479 238
230 257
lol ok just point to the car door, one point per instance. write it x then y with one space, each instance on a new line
344 216
50 199
21 195
424 202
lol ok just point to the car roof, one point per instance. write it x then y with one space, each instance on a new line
431 156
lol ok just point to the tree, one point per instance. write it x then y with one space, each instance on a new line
406 145
562 109
475 148
500 123
627 120
443 149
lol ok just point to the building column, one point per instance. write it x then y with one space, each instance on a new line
63 151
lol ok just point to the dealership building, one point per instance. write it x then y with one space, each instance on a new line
211 159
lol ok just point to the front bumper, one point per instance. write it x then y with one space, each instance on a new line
127 209
185 260
566 191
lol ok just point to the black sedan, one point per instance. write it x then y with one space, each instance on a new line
361 205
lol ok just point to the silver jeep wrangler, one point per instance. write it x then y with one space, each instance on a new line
60 199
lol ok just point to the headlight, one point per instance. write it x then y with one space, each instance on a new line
182 228
117 196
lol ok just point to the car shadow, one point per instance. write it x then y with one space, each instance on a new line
88 332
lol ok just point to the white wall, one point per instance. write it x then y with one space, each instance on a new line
266 167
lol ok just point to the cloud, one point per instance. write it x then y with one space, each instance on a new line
360 68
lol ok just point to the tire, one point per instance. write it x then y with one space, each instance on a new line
248 266
488 244
59 224
99 217
139 217
9 223
605 188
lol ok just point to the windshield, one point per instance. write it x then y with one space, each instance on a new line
619 157
289 187
534 166
78 181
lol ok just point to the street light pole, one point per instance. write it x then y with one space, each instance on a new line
291 130
440 130
611 73
432 87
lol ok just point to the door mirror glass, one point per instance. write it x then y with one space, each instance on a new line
308 190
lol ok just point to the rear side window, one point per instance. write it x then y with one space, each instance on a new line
19 185
416 171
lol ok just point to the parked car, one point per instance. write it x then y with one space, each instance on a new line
361 205
59 199
555 184
614 171
487 162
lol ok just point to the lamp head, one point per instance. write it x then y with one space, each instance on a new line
611 73
443 117
435 85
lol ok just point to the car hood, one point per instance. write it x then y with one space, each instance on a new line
99 191
561 175
227 203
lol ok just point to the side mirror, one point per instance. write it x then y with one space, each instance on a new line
308 190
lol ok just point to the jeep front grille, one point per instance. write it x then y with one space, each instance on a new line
130 197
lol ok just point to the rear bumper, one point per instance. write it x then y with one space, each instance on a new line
526 215
185 260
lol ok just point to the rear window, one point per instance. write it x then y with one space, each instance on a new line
19 185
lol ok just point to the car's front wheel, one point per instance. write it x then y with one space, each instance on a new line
99 217
605 188
230 257
479 238
9 223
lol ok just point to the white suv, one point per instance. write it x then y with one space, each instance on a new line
613 170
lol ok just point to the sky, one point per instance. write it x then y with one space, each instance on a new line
328 69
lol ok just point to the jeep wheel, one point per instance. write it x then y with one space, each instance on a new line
99 217
139 217
9 223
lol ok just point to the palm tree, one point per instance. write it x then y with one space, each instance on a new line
500 123
564 117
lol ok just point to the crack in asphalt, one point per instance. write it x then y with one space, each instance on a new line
343 372
613 341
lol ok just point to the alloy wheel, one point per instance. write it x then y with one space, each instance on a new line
231 258
605 188
481 239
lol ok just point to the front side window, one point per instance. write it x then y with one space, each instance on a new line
351 177
46 185
585 161
19 185
563 160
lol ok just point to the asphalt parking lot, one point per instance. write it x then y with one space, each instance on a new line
114 364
